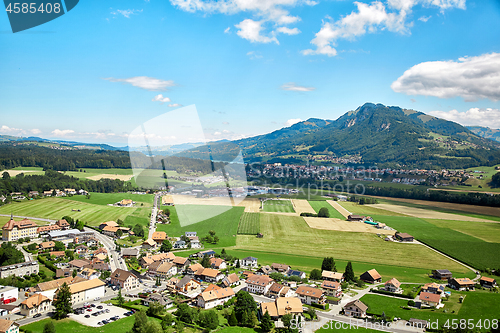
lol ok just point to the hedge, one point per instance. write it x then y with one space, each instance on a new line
47 264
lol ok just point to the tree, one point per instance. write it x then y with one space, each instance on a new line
349 273
166 246
212 233
185 313
323 212
205 262
315 274
266 324
59 246
276 276
232 321
140 321
216 239
167 321
252 319
244 303
120 222
62 302
155 309
179 326
69 254
79 225
138 230
238 265
287 320
328 264
166 211
32 247
74 273
5 175
120 298
209 319
223 253
119 233
49 327
152 326
495 180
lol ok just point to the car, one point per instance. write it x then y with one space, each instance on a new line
37 315
92 305
105 322
87 316
95 314
107 310
132 310
99 306
97 298
99 323
89 309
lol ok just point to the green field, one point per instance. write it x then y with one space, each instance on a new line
56 208
112 198
334 214
69 325
468 249
278 206
354 208
488 232
89 172
291 236
225 225
476 305
249 224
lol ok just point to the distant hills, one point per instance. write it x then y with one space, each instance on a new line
486 132
46 142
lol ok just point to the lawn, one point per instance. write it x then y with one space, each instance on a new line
456 244
279 206
476 305
290 235
69 325
89 172
317 205
225 225
249 224
56 208
488 232
111 198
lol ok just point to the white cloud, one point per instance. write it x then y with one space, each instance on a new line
471 78
291 122
472 117
293 87
161 99
251 30
424 18
228 30
35 131
62 133
175 105
288 31
254 55
127 12
145 82
371 18
4 129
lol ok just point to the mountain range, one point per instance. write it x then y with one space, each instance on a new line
486 132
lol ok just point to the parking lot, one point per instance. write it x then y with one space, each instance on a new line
94 319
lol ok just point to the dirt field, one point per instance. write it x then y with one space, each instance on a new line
252 205
14 173
193 200
339 225
483 210
427 214
345 213
302 206
108 176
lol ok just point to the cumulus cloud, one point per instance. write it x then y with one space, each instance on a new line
161 99
371 18
175 105
424 18
4 129
145 82
288 31
251 31
36 131
473 117
62 133
471 78
291 122
127 12
291 86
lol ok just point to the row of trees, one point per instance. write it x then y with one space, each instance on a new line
328 264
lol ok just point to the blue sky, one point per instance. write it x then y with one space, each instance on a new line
249 66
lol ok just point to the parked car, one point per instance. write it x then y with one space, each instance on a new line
87 316
99 306
99 323
37 315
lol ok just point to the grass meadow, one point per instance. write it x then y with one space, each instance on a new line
334 214
249 224
112 198
278 206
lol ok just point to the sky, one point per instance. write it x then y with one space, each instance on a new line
248 67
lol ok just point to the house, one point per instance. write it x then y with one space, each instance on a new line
158 298
461 283
78 263
332 276
218 263
70 191
49 288
331 288
355 309
282 306
195 269
309 295
403 237
162 269
275 290
249 262
43 230
393 285
33 194
180 244
159 236
146 261
280 268
286 292
209 299
441 274
149 244
487 282
57 254
187 284
258 284
125 203
8 326
429 299
354 218
190 234
86 290
433 288
265 270
92 242
47 193
114 231
63 224
167 200
13 230
130 252
371 276
209 253
301 275
89 273
124 279
63 272
211 275
44 246
37 303
181 263
195 242
108 224
230 280
81 249
171 283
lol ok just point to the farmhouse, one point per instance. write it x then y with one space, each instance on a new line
259 284
214 297
487 282
392 285
309 295
108 224
355 218
429 299
125 203
371 276
37 303
441 274
355 309
124 279
8 326
332 288
63 224
403 237
461 284
13 230
167 200
332 276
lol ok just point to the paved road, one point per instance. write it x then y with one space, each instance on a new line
154 213
31 218
115 260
